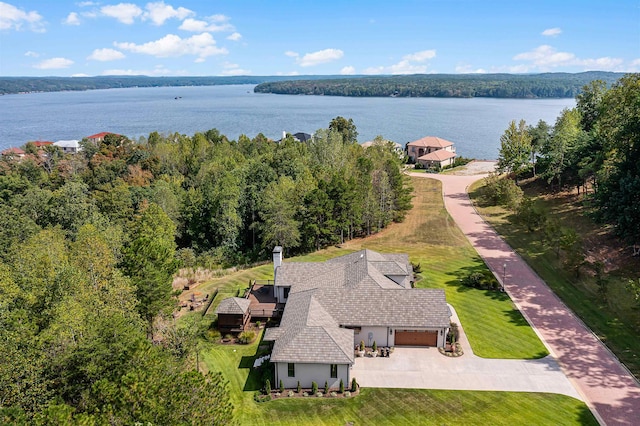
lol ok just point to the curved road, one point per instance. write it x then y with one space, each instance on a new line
611 392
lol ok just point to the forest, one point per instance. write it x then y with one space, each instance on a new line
524 86
12 85
89 244
594 147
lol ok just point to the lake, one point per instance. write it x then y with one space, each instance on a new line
474 125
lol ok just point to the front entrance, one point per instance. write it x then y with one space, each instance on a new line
416 338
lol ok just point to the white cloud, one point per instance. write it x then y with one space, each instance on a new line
31 54
123 12
349 70
86 3
200 45
54 63
406 65
234 37
288 73
320 57
106 54
158 70
552 32
291 54
159 12
234 69
215 23
468 69
420 56
546 57
72 19
12 18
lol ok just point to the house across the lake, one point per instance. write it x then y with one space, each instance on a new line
431 151
332 306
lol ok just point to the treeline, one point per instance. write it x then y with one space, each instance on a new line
9 85
547 85
89 244
594 147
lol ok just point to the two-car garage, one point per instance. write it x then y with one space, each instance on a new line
416 338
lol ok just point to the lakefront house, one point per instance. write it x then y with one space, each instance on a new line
332 306
431 151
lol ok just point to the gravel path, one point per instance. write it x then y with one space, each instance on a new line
607 387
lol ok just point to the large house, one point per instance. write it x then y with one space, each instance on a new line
98 137
69 146
432 151
332 306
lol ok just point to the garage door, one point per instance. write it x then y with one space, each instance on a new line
416 338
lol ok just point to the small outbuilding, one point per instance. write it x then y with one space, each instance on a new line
234 315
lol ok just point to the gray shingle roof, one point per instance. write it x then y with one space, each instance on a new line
350 290
233 305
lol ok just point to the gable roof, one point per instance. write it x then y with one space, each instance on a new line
233 305
365 288
13 151
73 143
432 142
41 143
100 135
439 155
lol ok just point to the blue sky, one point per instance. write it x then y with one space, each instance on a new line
290 37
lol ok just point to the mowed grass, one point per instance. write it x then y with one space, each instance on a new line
388 406
616 320
494 327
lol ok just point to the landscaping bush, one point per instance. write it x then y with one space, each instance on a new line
247 337
299 387
267 387
501 191
375 346
481 280
354 385
341 386
326 387
314 388
281 386
454 332
529 215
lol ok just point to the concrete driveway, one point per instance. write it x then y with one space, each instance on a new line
427 368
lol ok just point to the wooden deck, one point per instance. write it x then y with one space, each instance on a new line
263 302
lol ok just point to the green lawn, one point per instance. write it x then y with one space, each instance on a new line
494 327
388 406
615 320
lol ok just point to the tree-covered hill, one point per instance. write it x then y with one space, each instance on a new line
10 85
529 86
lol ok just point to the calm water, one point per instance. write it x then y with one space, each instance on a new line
475 125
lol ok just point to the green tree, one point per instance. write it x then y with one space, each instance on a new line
278 211
515 149
150 261
559 149
346 128
589 103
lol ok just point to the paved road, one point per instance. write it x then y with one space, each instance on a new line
426 368
609 390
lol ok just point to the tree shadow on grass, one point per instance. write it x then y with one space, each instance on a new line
257 375
515 317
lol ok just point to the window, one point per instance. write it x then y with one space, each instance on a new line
291 370
286 292
334 371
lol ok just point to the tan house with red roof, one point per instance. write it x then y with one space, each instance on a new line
432 151
40 144
13 152
98 137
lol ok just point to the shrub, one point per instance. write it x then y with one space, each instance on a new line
341 386
246 337
299 388
354 385
501 191
258 324
482 280
281 386
326 387
314 388
454 333
529 215
375 346
267 386
361 345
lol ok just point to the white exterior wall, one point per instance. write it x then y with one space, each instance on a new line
379 334
307 373
279 293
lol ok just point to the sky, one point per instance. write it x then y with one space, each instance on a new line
324 37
